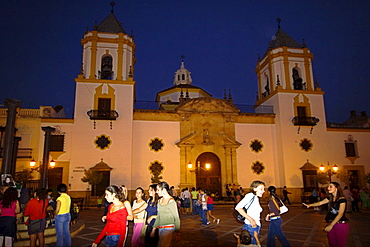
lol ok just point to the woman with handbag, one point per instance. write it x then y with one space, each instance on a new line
36 212
252 215
274 205
9 207
138 210
338 228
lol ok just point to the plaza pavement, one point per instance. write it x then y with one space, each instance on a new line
302 227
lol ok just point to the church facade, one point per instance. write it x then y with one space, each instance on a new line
193 139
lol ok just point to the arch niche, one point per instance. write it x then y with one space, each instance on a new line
209 179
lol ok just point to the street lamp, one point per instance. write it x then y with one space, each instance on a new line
206 167
329 171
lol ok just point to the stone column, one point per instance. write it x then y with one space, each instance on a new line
12 105
45 159
17 139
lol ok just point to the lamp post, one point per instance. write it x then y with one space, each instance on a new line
206 167
329 171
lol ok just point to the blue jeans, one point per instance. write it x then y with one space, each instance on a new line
165 236
112 240
62 230
203 215
252 230
195 207
275 229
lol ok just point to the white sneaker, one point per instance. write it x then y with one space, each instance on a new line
218 221
208 223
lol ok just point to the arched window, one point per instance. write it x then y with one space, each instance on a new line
178 77
106 67
183 76
297 80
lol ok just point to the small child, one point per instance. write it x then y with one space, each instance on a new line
74 214
244 239
100 203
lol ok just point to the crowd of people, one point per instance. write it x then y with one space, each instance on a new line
156 212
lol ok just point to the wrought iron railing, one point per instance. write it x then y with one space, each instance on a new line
22 153
102 115
305 121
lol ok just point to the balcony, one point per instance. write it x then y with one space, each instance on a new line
305 121
22 153
102 115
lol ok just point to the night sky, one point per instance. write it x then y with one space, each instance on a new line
41 53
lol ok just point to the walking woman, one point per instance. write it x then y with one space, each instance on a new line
152 211
9 207
275 220
36 210
338 227
119 211
138 210
63 217
252 215
210 208
168 220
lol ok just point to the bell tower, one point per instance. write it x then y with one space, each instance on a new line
285 82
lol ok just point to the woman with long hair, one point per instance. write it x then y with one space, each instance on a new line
152 211
250 208
36 210
9 207
119 211
338 228
138 209
168 220
274 205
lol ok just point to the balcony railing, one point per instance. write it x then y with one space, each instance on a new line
22 153
102 115
305 121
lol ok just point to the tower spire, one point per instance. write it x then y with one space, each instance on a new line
112 4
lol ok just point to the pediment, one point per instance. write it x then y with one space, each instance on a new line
186 140
208 105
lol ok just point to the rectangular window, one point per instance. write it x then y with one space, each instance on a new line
301 110
104 107
57 143
350 149
309 180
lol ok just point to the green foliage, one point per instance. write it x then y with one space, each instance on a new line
23 176
92 177
322 178
343 176
367 178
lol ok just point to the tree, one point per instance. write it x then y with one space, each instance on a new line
322 178
367 177
92 177
23 176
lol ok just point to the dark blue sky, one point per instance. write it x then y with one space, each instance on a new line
41 52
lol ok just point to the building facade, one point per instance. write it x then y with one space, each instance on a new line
193 139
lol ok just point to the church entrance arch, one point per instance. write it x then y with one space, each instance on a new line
209 179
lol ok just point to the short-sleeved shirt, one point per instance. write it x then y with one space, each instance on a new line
65 203
334 209
254 210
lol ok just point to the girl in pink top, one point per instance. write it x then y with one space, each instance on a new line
9 207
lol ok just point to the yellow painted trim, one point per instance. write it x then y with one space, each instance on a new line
120 57
305 103
93 49
178 90
57 120
260 142
107 40
152 149
307 66
346 130
97 146
282 90
127 82
286 69
110 95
